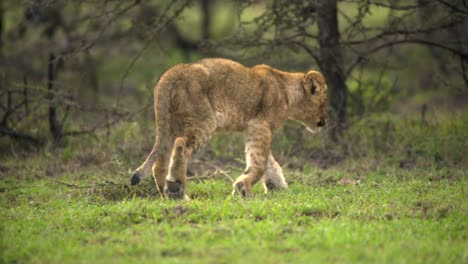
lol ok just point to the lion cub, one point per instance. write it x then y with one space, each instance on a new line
192 101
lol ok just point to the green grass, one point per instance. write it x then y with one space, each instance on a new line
399 195
391 216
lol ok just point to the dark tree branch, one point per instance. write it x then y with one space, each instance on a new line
463 72
395 7
9 109
404 32
310 51
463 55
25 95
5 131
108 23
153 35
106 124
454 7
64 117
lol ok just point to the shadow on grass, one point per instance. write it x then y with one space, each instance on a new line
114 191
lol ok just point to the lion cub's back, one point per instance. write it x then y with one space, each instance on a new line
234 92
232 89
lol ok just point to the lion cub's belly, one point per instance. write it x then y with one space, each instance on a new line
229 121
221 119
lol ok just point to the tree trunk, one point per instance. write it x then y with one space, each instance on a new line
331 62
206 22
2 12
2 15
54 126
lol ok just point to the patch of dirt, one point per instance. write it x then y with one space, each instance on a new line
449 102
110 191
317 214
428 210
325 159
326 181
408 161
4 172
352 182
447 176
317 157
174 212
202 165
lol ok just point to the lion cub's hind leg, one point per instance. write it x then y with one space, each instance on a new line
160 172
176 181
273 178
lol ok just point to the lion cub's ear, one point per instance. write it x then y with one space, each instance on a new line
314 82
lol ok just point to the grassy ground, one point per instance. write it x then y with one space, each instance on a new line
384 216
403 200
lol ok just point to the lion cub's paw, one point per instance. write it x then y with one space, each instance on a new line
175 191
271 186
242 188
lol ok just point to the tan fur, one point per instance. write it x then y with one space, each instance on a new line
194 100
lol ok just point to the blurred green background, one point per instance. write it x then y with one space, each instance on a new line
107 57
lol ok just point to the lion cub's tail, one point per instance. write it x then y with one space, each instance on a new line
163 137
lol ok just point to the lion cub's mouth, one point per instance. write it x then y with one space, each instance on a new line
314 130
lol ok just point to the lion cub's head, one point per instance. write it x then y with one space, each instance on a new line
311 109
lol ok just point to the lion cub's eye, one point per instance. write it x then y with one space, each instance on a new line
313 89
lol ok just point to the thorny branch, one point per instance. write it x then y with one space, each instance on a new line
160 26
54 97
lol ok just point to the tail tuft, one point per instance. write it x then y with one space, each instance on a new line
136 178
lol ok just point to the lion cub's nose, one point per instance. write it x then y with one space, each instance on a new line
322 122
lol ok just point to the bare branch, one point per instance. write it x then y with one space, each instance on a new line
395 7
5 131
25 94
108 23
310 51
360 58
404 32
454 7
463 72
9 109
106 124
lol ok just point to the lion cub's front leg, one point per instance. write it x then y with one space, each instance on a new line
176 181
273 178
257 150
